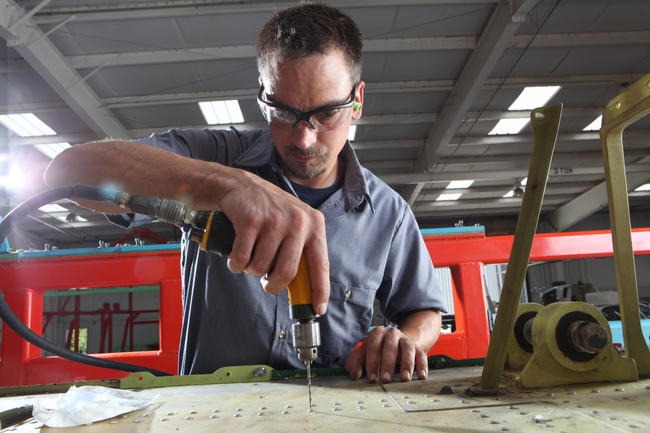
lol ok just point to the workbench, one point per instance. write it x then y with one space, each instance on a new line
438 404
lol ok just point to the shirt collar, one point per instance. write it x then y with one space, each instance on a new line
262 153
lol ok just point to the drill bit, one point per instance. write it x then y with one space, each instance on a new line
309 384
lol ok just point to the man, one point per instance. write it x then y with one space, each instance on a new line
295 189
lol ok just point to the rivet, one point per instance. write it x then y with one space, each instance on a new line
237 415
347 294
216 410
360 402
494 422
285 412
189 417
239 409
633 426
164 419
619 389
538 419
289 406
170 413
193 412
595 391
336 409
505 429
261 413
264 408
571 393
361 407
386 405
484 415
213 416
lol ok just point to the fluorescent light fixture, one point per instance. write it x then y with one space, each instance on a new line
595 125
449 197
459 184
53 207
352 133
26 125
52 149
644 187
533 97
509 126
221 112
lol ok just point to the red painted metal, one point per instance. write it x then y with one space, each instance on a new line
23 283
466 254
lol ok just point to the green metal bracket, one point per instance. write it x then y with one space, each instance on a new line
546 123
236 374
624 109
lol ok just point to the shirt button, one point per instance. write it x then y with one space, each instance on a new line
348 294
282 334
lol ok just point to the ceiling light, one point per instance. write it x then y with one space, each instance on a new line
533 97
509 194
26 125
644 187
523 181
449 197
221 112
595 125
52 149
459 184
352 133
509 126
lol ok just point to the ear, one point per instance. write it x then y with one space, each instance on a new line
357 108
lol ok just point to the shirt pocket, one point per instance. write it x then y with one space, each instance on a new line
346 322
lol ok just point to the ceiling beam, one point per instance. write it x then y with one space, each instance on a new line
178 8
596 199
379 45
30 42
496 38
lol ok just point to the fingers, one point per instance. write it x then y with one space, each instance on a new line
354 363
273 231
386 349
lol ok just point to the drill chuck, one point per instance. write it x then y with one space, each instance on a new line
306 339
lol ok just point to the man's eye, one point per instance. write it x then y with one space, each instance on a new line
324 116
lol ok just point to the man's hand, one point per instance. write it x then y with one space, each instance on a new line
384 349
273 229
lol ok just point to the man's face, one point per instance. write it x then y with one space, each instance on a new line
309 153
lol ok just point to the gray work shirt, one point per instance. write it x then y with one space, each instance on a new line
375 251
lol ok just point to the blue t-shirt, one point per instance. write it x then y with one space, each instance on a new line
375 251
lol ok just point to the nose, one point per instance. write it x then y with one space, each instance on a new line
303 134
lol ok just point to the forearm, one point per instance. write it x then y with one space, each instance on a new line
422 327
141 169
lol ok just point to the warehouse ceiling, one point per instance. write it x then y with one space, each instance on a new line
440 75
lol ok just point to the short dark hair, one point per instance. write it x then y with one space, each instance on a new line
305 30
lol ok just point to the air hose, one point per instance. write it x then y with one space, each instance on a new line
8 316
